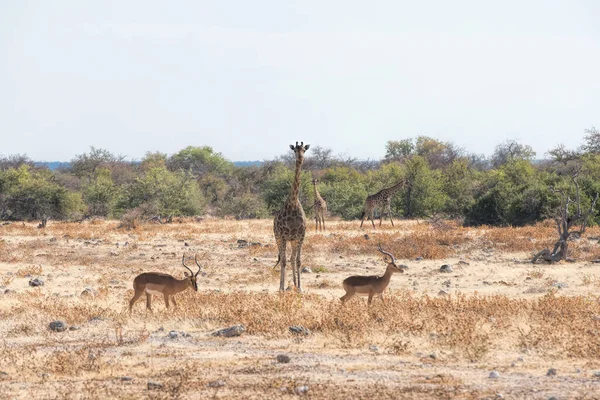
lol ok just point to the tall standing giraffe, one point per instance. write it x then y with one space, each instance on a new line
290 223
381 200
320 208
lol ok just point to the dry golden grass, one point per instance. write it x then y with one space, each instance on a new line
469 333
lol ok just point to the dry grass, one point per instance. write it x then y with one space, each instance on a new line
463 329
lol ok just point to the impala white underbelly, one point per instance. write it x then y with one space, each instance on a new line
156 292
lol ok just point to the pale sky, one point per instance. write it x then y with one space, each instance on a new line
250 77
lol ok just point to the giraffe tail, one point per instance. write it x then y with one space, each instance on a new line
278 259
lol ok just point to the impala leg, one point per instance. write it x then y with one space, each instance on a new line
135 298
148 301
281 245
166 300
382 299
347 296
174 302
370 298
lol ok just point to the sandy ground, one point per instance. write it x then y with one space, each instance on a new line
115 355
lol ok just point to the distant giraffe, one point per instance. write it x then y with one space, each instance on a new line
381 200
320 208
290 223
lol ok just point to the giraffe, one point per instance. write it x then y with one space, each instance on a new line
320 208
290 223
381 199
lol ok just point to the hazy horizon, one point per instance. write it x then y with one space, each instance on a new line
247 79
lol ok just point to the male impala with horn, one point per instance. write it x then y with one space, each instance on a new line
167 285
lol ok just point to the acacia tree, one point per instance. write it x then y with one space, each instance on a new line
569 215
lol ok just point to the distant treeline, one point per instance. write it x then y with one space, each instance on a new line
443 180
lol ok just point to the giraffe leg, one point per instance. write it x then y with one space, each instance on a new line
281 246
372 217
323 220
390 213
299 263
294 244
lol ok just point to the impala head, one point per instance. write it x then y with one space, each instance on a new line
191 276
391 261
299 149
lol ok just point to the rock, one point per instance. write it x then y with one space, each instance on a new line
366 236
374 348
596 374
74 328
299 330
442 293
283 358
306 270
235 330
186 244
242 243
494 375
447 268
551 372
126 379
36 282
433 356
173 335
216 384
419 258
461 262
57 326
88 292
301 390
560 285
154 385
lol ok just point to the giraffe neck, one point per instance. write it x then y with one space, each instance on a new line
394 189
293 198
317 195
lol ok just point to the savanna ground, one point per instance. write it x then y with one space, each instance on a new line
500 313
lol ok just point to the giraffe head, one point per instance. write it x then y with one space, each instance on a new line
299 150
315 181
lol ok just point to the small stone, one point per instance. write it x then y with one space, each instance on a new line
173 335
283 358
513 364
499 396
301 390
186 244
374 348
242 243
126 379
419 258
57 326
494 375
596 374
36 282
235 330
114 253
299 330
461 262
306 270
447 268
551 372
74 328
560 285
216 384
366 236
88 292
521 359
433 356
154 385
442 293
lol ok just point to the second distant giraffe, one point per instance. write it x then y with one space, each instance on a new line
320 208
381 200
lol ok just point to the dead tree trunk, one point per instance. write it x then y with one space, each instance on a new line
565 222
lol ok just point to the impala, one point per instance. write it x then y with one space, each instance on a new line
372 285
165 284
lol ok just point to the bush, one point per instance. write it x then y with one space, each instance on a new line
247 206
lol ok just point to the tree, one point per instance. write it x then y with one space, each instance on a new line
199 160
84 165
100 194
569 214
438 154
592 141
422 194
511 150
398 150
